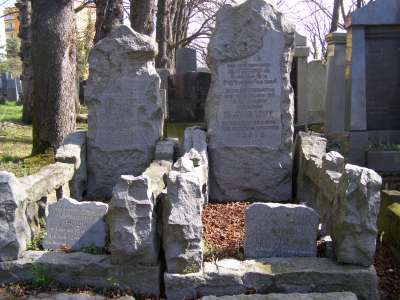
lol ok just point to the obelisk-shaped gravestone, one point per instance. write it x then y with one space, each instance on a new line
125 112
250 104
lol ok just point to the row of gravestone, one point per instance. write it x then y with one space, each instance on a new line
10 87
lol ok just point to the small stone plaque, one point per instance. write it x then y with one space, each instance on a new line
280 230
75 225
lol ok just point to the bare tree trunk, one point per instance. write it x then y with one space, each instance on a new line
25 33
142 16
109 13
335 16
54 66
359 3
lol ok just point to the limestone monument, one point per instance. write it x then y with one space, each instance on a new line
249 110
125 110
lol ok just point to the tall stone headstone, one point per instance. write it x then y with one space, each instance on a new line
335 83
186 60
249 110
125 109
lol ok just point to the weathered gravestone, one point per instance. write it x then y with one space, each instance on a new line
14 229
249 109
75 225
280 230
186 60
125 110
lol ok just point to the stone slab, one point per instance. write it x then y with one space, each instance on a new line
81 270
273 275
249 111
280 230
75 225
292 296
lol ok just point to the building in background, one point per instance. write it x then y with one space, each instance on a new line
11 22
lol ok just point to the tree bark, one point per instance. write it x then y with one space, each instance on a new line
54 66
25 34
335 16
109 13
359 3
142 16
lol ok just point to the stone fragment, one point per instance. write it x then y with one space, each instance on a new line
157 173
80 269
273 275
75 225
249 111
354 227
132 220
195 148
47 180
125 109
73 151
14 228
310 149
280 230
182 224
292 296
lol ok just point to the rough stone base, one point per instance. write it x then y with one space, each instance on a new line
294 296
274 275
80 269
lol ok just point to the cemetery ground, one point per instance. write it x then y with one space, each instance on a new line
16 143
223 238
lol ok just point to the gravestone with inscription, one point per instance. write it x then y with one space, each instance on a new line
280 230
125 110
72 224
249 110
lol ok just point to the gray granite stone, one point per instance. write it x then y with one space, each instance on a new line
81 270
273 275
280 230
73 151
186 60
292 296
132 221
75 225
166 149
335 83
249 109
354 226
125 113
14 228
316 84
182 224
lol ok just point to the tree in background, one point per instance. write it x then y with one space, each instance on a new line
83 46
54 66
12 62
108 14
25 34
142 14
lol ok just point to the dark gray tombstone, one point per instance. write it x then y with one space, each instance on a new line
12 90
186 60
187 94
372 77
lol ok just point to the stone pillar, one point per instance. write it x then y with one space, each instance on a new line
335 83
249 110
301 54
125 110
186 60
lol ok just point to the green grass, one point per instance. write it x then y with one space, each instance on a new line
16 144
177 130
